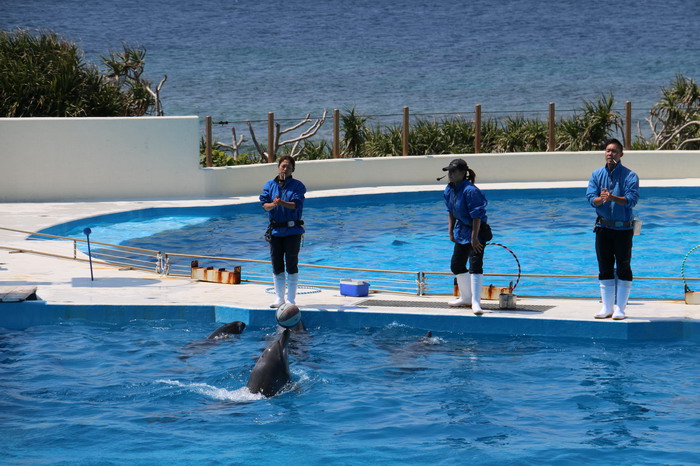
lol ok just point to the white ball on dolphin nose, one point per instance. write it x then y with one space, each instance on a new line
288 315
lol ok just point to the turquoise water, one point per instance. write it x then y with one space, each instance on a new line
239 60
154 393
550 231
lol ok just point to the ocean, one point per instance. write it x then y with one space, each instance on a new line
238 60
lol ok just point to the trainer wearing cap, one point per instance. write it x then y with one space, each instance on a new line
467 227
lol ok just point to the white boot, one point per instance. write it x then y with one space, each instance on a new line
607 296
477 280
624 287
465 291
292 280
279 289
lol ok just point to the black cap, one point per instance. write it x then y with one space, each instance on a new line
457 164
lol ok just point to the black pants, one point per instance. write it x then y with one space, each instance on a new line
463 253
614 247
285 248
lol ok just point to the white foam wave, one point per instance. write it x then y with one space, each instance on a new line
216 393
433 341
300 375
396 324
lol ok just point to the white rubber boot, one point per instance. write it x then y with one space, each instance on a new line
465 291
624 288
292 280
477 279
279 289
607 297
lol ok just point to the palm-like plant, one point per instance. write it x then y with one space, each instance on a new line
354 132
125 69
587 130
45 75
458 136
675 119
383 142
316 150
519 134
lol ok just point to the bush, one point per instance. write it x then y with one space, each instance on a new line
675 119
44 75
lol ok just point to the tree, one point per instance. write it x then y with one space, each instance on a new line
294 141
675 119
125 71
44 75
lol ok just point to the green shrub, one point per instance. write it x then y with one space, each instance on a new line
354 132
519 134
675 119
316 151
44 75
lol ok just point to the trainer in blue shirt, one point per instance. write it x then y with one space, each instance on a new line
283 198
468 230
613 191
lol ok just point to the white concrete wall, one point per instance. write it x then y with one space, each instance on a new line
422 170
57 159
68 159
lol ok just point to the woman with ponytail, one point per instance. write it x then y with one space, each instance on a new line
468 230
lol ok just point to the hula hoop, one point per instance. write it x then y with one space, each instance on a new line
516 261
300 290
687 288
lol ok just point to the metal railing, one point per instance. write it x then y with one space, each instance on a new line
419 283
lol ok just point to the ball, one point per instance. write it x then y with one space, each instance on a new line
288 315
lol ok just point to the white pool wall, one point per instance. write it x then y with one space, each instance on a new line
73 159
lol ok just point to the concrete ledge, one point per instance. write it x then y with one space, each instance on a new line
19 316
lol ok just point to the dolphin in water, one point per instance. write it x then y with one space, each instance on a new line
271 371
232 328
200 346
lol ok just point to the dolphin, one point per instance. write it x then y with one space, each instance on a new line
271 371
200 346
232 328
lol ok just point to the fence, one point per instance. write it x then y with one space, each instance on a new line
420 283
405 117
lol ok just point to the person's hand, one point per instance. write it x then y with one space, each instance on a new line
452 236
604 195
277 200
476 244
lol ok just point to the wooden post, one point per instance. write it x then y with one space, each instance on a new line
405 130
551 138
270 137
208 143
477 128
336 133
628 125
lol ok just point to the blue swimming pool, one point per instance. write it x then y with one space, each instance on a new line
550 231
151 392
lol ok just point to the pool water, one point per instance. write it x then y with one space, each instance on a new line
549 230
155 393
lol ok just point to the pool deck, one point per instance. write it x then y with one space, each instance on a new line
66 283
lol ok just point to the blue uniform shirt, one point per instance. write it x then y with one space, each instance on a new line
620 181
465 202
291 191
